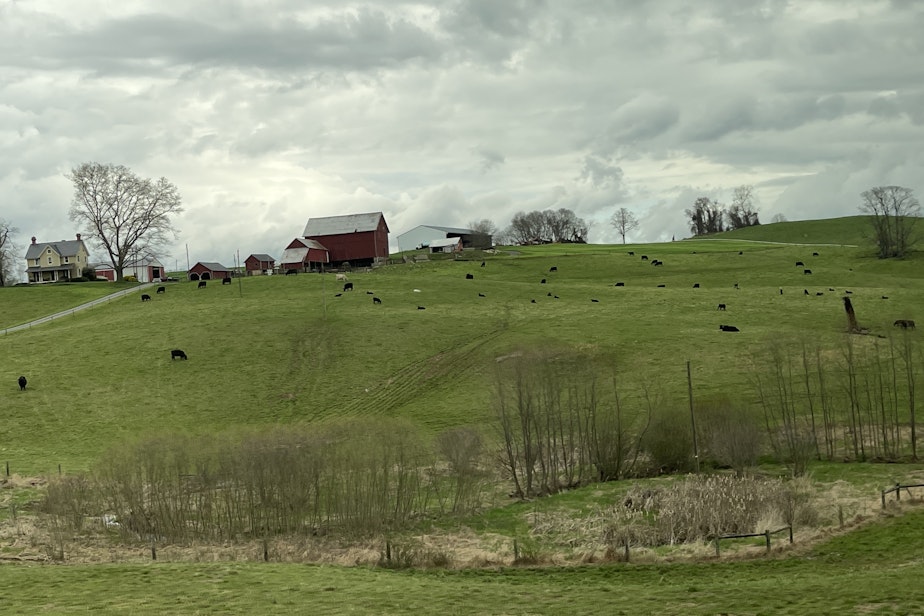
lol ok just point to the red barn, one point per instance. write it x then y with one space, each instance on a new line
301 253
361 239
208 271
256 265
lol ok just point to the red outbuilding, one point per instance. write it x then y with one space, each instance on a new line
301 253
258 265
360 239
208 271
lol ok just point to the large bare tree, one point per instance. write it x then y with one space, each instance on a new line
127 215
8 256
707 216
743 210
624 221
894 210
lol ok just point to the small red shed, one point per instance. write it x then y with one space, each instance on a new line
361 239
260 264
208 271
301 253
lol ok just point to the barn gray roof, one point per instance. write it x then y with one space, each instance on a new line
262 257
65 248
215 267
450 229
350 223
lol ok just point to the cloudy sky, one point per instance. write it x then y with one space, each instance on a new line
265 114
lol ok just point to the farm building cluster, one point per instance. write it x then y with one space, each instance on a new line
327 243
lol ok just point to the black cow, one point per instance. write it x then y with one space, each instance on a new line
695 285
729 328
22 383
161 289
904 323
657 262
808 271
631 253
736 285
348 287
482 264
549 294
740 252
885 297
421 308
201 284
596 301
830 289
806 291
177 353
720 307
620 284
481 295
291 272
376 300
338 295
644 257
814 254
225 281
800 264
781 290
145 297
470 276
369 293
819 293
532 301
542 281
556 297
553 269
661 286
848 291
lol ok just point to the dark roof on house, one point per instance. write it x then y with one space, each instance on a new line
214 267
65 248
262 257
350 223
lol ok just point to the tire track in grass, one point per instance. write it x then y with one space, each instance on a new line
418 378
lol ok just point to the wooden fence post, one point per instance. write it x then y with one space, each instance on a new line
717 554
898 491
790 533
882 492
627 550
767 538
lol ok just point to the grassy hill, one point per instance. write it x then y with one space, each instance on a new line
274 350
849 230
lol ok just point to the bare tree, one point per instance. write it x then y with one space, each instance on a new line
624 221
894 211
8 257
123 213
743 210
707 216
547 226
778 217
483 226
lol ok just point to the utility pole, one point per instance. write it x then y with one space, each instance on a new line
692 417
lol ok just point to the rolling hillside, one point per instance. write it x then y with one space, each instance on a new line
846 231
274 350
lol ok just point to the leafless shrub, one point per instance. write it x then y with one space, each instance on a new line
733 436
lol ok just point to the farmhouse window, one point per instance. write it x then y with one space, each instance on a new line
49 259
66 259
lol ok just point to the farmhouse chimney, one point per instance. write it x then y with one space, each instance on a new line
33 239
78 236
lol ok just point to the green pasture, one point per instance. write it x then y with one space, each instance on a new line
25 303
282 349
848 230
873 570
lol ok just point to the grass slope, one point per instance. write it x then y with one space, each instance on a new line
271 350
848 231
25 303
874 570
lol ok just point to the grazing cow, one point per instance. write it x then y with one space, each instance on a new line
338 295
631 253
657 262
421 308
201 284
145 297
814 254
553 269
695 285
720 307
177 353
532 301
549 294
885 297
470 276
620 284
808 271
644 257
729 328
228 280
800 264
482 264
830 289
341 278
806 291
819 293
740 252
904 323
369 293
161 289
848 291
542 281
348 287
781 290
376 300
22 383
481 295
291 272
661 286
596 301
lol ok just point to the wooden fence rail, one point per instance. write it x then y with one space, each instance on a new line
897 488
766 535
